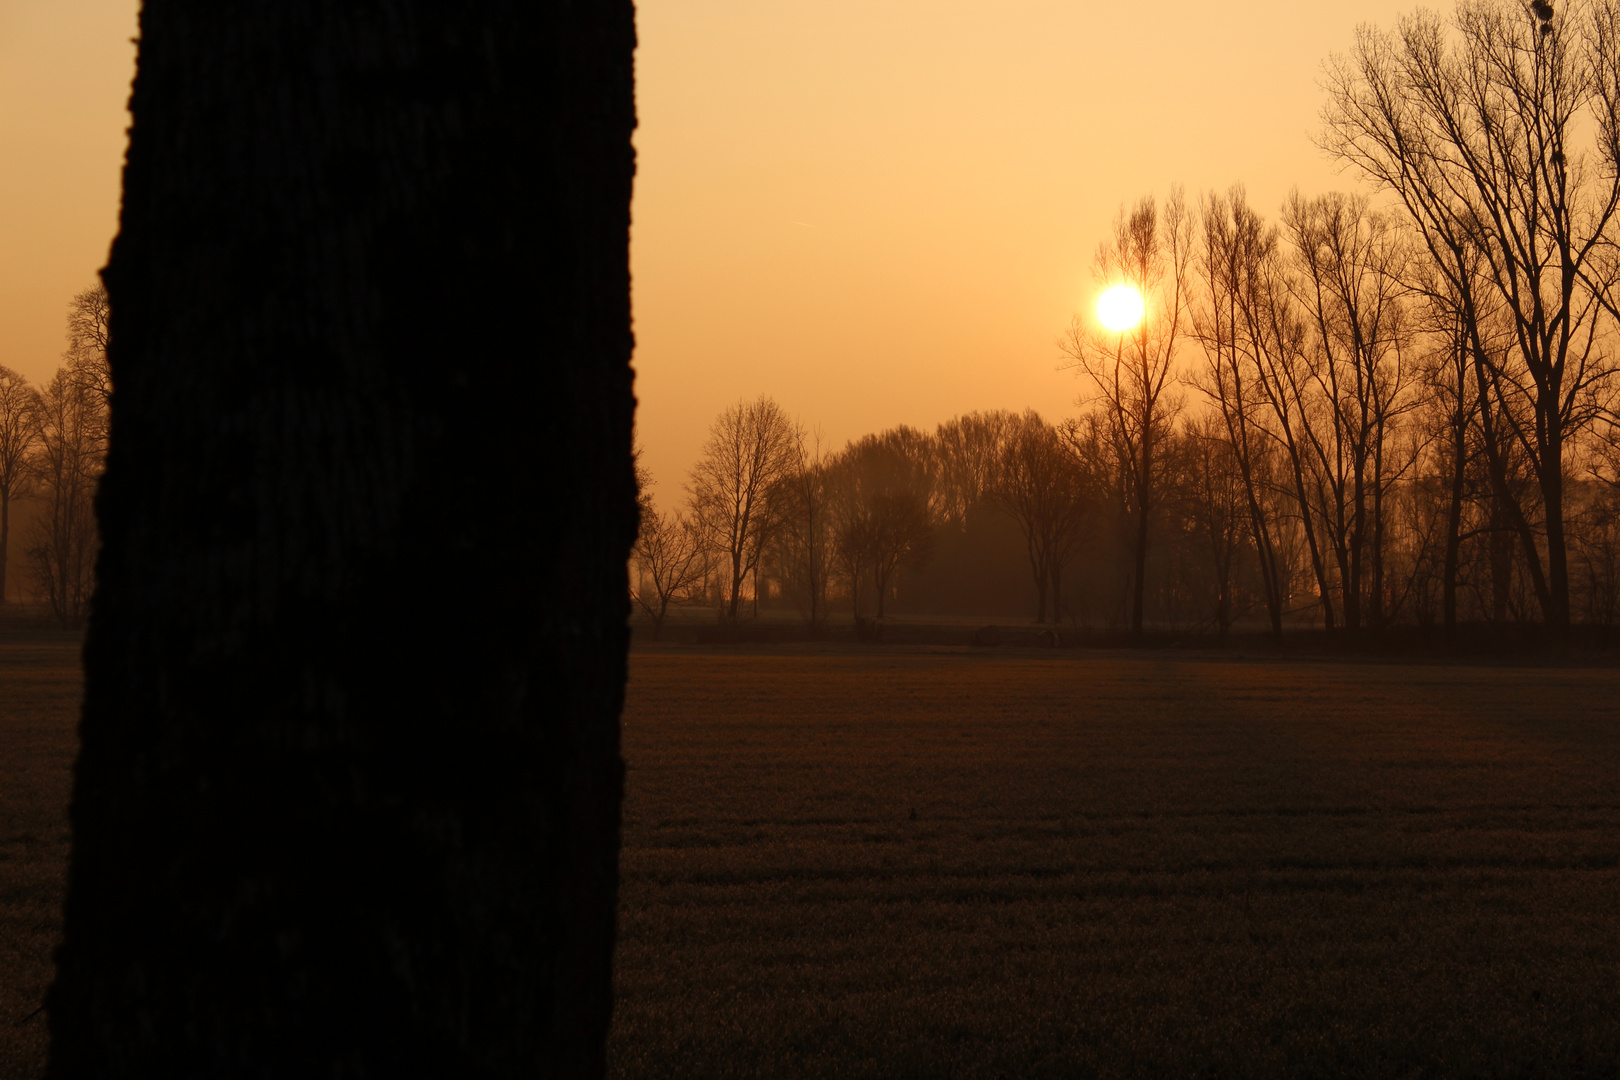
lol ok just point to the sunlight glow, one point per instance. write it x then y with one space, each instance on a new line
1119 308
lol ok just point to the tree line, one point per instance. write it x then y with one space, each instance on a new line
1366 411
53 441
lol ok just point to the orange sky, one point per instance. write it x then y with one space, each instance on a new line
877 211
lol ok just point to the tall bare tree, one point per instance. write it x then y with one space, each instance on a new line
1236 261
752 447
1500 136
19 432
1131 374
1350 266
71 423
1279 337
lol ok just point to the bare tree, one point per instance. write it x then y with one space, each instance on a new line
1456 324
752 447
71 423
1131 373
669 554
19 432
804 540
853 534
1236 262
1038 482
1277 337
969 451
86 355
882 504
1350 264
1500 136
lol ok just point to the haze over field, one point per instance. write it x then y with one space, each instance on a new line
879 212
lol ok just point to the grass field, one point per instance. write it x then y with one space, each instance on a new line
976 865
938 863
39 708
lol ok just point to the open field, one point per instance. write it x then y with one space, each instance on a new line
1119 864
39 710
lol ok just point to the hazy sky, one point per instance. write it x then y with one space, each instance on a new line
876 211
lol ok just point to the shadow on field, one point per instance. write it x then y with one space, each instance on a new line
984 863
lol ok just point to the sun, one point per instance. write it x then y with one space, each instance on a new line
1119 308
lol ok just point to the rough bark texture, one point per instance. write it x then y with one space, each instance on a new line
348 798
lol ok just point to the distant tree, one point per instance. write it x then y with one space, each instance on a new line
884 519
852 531
71 423
968 451
71 416
804 540
1132 374
1039 484
19 432
670 554
752 447
86 355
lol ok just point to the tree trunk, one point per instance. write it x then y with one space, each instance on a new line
1139 583
1350 579
1056 576
1265 550
1552 500
1345 555
372 266
734 604
1506 503
1501 554
1305 514
1448 587
1375 595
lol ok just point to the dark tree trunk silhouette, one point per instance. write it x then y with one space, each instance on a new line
370 316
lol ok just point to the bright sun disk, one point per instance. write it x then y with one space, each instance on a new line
1119 308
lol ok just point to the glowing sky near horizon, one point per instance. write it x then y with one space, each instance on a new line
876 211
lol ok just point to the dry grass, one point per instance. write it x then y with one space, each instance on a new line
1119 866
40 688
